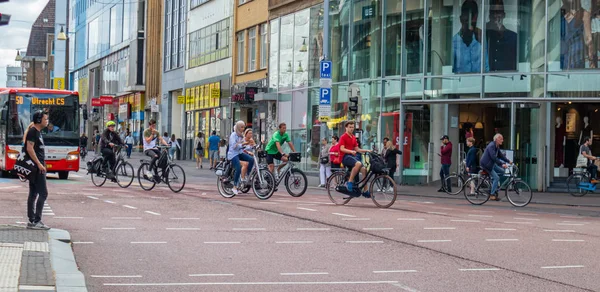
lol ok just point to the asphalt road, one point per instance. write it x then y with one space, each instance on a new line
132 240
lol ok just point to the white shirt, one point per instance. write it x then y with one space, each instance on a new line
151 145
129 140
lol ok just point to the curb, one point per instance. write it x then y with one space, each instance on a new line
68 276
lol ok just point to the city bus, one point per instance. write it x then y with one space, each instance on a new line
61 137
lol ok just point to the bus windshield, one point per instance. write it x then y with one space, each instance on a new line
63 110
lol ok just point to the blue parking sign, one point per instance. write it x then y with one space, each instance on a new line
325 96
325 67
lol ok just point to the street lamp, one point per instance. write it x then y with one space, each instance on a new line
18 58
62 36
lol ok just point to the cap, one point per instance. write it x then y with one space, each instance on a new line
445 137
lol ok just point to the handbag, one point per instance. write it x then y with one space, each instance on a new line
581 161
25 167
324 160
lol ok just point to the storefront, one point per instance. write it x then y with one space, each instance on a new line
251 102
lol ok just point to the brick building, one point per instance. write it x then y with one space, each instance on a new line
39 59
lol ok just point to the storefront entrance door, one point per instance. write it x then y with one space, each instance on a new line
526 141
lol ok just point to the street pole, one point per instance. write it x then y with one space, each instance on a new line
326 30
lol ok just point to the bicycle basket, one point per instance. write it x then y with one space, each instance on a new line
378 165
295 157
163 160
261 154
93 166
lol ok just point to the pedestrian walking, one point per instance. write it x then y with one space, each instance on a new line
223 149
96 140
174 146
446 159
34 144
213 149
335 156
390 155
129 142
199 150
324 163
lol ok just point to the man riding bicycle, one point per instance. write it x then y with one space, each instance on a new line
491 162
150 147
349 148
109 139
274 150
83 140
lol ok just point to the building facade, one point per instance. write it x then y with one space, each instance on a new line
38 62
14 77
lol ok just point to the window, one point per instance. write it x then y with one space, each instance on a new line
196 3
252 52
174 34
263 46
240 2
240 51
209 44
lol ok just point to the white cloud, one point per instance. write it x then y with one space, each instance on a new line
16 34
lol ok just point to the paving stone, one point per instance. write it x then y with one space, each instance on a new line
35 269
36 246
14 234
10 263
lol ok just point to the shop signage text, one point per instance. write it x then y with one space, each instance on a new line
96 102
105 100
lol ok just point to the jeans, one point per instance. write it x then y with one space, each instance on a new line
37 189
324 173
593 169
172 151
445 172
129 148
238 166
495 175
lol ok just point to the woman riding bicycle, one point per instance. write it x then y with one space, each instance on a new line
248 149
236 153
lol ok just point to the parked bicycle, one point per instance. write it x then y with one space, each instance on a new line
123 171
381 186
295 179
455 182
165 171
517 192
579 183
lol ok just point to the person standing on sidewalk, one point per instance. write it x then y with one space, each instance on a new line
199 150
213 149
34 144
129 142
173 146
391 157
324 163
446 157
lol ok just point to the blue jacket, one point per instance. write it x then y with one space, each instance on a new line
471 162
492 156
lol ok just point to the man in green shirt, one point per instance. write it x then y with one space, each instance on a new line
273 148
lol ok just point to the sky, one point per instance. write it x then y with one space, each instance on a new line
16 35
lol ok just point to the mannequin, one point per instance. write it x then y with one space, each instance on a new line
587 131
560 140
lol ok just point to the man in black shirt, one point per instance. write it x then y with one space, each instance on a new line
109 139
34 146
501 41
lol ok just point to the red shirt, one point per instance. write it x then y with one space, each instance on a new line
349 142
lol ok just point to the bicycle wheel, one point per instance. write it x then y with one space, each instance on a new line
124 173
265 189
175 178
481 188
519 193
98 180
146 183
245 189
575 184
383 191
296 183
224 186
335 180
454 184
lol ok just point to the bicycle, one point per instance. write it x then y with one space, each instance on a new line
165 171
456 181
295 179
83 152
381 182
517 192
579 183
260 179
123 171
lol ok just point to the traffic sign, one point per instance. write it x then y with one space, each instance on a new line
325 67
325 96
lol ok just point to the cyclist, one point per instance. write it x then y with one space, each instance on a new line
150 148
236 153
109 139
349 149
83 140
491 162
591 166
274 150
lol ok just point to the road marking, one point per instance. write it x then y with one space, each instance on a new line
570 224
92 197
293 242
35 288
527 214
9 187
502 239
306 209
344 215
110 202
184 228
312 229
364 241
411 219
83 242
405 288
203 194
479 269
482 216
109 276
434 240
356 219
211 275
511 222
378 228
500 229
11 217
562 267
241 219
159 198
185 218
437 213
126 218
253 283
130 207
68 217
221 242
48 214
568 240
153 213
558 230
148 242
304 274
575 222
532 219
465 220
118 228
439 228
269 203
249 229
571 217
396 271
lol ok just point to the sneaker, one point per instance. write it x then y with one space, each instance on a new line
235 191
157 178
594 181
149 174
321 186
40 226
390 189
30 225
349 186
366 194
441 190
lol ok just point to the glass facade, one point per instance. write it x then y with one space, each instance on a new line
429 68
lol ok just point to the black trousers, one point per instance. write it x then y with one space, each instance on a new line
39 191
155 154
109 156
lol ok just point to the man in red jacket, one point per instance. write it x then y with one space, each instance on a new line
446 155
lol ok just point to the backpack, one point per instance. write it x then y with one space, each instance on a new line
335 159
378 165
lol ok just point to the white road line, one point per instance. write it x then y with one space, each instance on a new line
527 214
126 218
159 198
511 222
434 240
110 202
396 271
184 228
252 283
570 224
437 213
502 239
35 288
571 217
11 217
405 288
293 242
500 229
68 217
378 228
130 207
344 215
482 216
9 187
48 214
356 219
575 222
479 269
532 219
118 228
148 242
312 229
558 230
184 218
83 242
439 228
364 241
269 203
241 219
249 229
92 197
109 276
563 267
211 275
465 220
304 274
411 219
568 240
203 194
153 213
306 209
221 242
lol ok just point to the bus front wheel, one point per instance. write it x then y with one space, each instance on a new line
63 175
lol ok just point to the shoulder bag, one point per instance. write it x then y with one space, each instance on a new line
25 167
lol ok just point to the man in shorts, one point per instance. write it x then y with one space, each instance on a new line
213 149
274 150
349 148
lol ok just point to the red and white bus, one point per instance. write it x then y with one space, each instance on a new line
61 137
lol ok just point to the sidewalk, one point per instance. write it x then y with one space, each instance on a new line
37 260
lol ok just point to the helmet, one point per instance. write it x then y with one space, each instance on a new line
110 123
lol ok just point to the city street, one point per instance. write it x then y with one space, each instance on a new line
132 240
